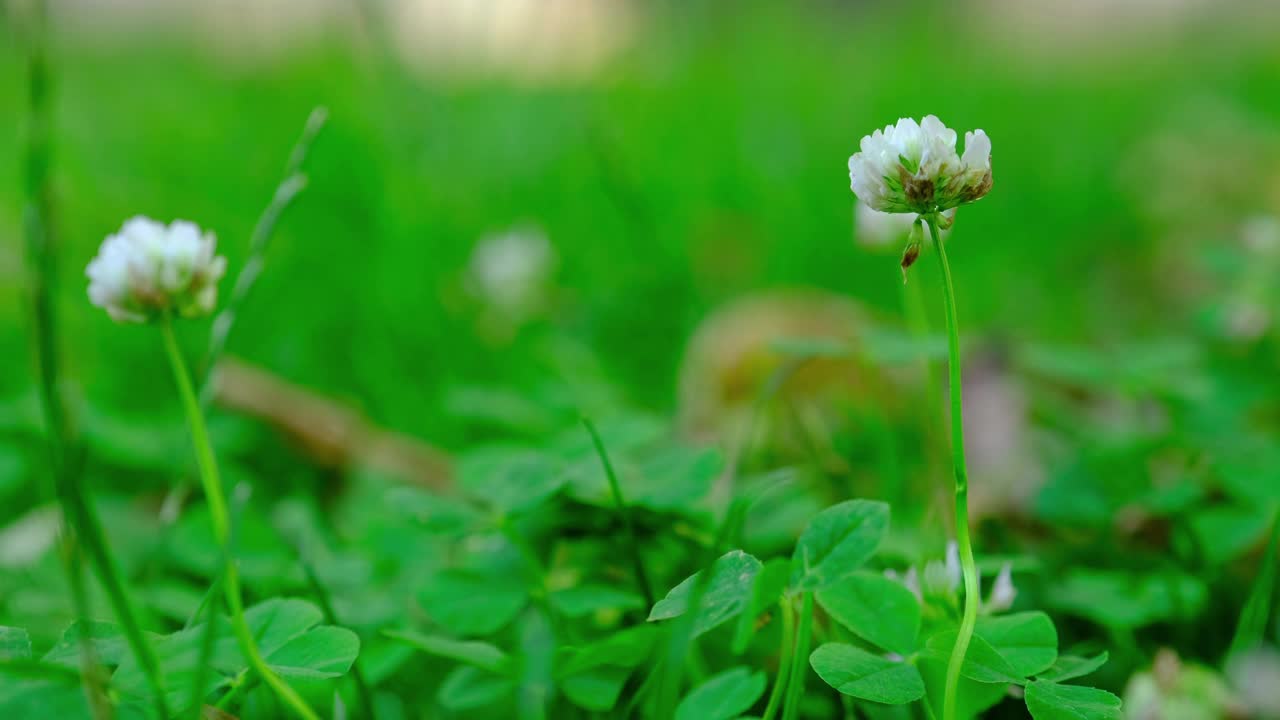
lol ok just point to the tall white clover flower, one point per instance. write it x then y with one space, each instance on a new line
149 269
914 168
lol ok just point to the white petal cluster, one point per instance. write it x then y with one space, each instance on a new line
510 270
944 579
148 269
914 168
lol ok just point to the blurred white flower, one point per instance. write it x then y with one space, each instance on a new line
149 269
910 580
944 577
1003 593
1261 234
510 270
877 229
1256 676
914 168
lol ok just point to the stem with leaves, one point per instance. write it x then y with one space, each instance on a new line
82 527
969 567
220 518
293 183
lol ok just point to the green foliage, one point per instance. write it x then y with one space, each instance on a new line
723 697
473 603
728 592
1051 701
837 542
416 510
867 676
877 609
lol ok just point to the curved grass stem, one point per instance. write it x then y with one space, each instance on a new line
799 660
969 567
633 542
784 661
222 529
83 527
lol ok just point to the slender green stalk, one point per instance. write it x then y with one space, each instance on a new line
784 661
799 659
83 529
293 183
633 542
222 528
969 567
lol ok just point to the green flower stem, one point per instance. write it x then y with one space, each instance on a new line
83 529
294 182
222 528
784 661
799 659
970 568
642 578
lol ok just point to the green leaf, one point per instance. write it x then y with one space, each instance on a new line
467 687
723 697
470 603
323 652
15 644
1127 600
856 672
728 592
42 698
876 609
675 477
667 478
973 698
584 600
480 654
837 542
596 690
287 636
982 662
1226 533
434 512
766 590
1028 641
510 480
625 648
1051 701
1069 667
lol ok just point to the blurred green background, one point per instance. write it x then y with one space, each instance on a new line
700 157
674 156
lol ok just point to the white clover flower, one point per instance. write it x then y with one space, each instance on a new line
1003 593
510 270
945 577
914 168
148 269
910 580
1256 674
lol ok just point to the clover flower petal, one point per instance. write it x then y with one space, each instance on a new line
913 167
148 269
